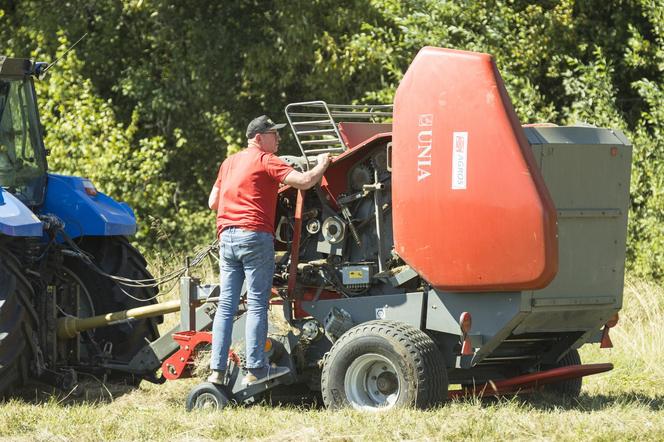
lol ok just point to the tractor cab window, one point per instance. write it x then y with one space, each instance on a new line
22 162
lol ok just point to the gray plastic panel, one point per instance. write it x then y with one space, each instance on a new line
587 173
489 311
398 307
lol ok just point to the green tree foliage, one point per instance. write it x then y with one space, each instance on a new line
161 90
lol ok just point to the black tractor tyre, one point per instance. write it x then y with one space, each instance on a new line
207 396
16 324
570 388
115 256
384 364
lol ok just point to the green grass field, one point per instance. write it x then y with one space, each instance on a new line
624 404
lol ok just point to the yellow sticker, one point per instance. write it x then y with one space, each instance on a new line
356 274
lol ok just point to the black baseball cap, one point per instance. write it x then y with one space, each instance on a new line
261 125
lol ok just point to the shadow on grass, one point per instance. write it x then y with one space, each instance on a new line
88 392
297 395
585 402
597 402
96 392
538 401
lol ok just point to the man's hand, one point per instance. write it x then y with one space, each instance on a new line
323 158
308 179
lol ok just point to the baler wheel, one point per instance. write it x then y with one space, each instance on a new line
16 323
384 364
114 255
207 396
570 388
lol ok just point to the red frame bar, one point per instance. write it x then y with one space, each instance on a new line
295 246
179 364
531 382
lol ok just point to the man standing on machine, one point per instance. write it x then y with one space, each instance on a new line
245 198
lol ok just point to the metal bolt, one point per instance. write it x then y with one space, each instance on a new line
181 359
384 368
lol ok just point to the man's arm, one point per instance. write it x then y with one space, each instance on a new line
213 199
306 180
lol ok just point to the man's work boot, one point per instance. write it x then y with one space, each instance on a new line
263 374
217 377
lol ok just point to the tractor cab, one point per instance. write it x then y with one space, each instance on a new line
22 152
43 274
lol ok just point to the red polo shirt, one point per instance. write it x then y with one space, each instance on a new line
248 182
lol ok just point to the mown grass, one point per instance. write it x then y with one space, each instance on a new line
624 404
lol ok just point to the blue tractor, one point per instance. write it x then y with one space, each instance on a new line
59 240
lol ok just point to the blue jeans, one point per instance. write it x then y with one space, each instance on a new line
244 254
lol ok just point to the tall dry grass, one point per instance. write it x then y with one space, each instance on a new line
638 339
641 331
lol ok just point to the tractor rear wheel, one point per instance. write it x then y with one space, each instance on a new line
570 388
115 256
16 323
381 365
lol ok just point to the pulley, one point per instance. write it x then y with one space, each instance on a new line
313 226
334 230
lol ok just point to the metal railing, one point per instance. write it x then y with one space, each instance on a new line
315 123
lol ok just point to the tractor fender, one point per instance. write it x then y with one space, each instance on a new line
85 214
15 218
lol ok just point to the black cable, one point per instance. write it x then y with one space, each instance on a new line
137 283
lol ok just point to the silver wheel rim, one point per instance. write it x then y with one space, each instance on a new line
207 401
372 383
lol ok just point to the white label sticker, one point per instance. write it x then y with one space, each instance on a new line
459 160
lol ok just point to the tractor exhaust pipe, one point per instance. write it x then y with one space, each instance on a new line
69 327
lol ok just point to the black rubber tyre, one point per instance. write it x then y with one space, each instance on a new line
16 324
570 388
384 364
207 396
115 256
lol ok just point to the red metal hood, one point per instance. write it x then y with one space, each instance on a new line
470 208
